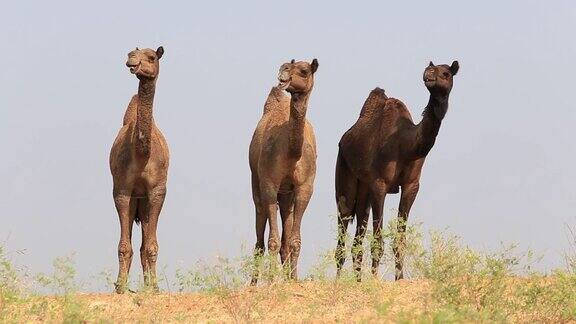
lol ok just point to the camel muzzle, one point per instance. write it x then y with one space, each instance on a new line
133 65
429 76
284 80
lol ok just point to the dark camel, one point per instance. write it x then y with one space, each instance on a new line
383 152
283 163
139 165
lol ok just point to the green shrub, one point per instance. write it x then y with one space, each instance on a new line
10 289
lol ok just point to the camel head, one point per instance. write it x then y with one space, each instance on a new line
438 78
297 77
144 62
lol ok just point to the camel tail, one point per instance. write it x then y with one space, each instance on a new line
346 189
137 215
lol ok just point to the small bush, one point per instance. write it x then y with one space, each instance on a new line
62 283
10 286
570 255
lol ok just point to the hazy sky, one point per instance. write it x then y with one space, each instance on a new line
502 168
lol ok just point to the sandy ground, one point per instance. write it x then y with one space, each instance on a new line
295 302
539 299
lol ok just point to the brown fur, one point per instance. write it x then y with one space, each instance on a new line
383 152
139 163
283 163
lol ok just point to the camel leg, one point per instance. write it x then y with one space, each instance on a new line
259 249
340 254
143 216
407 198
362 215
271 210
378 194
286 204
149 249
269 198
260 228
302 197
346 187
126 209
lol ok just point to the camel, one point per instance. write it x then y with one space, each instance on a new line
139 165
381 153
283 164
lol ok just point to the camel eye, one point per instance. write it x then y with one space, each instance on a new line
446 74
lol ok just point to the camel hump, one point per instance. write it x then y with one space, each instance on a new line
393 103
275 100
387 114
379 92
376 99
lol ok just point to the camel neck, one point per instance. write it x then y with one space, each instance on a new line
297 122
146 90
430 125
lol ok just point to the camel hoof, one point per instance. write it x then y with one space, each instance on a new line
120 288
293 279
153 289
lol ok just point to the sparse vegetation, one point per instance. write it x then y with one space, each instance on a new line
449 282
570 255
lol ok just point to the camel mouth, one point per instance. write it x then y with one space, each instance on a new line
284 79
283 85
134 68
430 84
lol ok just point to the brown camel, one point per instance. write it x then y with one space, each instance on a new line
383 152
139 165
283 163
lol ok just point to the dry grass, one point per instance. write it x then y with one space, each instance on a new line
451 284
289 302
337 301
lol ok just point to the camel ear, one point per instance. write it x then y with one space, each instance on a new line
160 52
314 65
292 62
431 64
454 67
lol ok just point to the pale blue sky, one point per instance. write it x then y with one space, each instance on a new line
502 168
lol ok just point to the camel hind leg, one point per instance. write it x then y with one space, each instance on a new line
346 189
260 228
362 214
378 192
